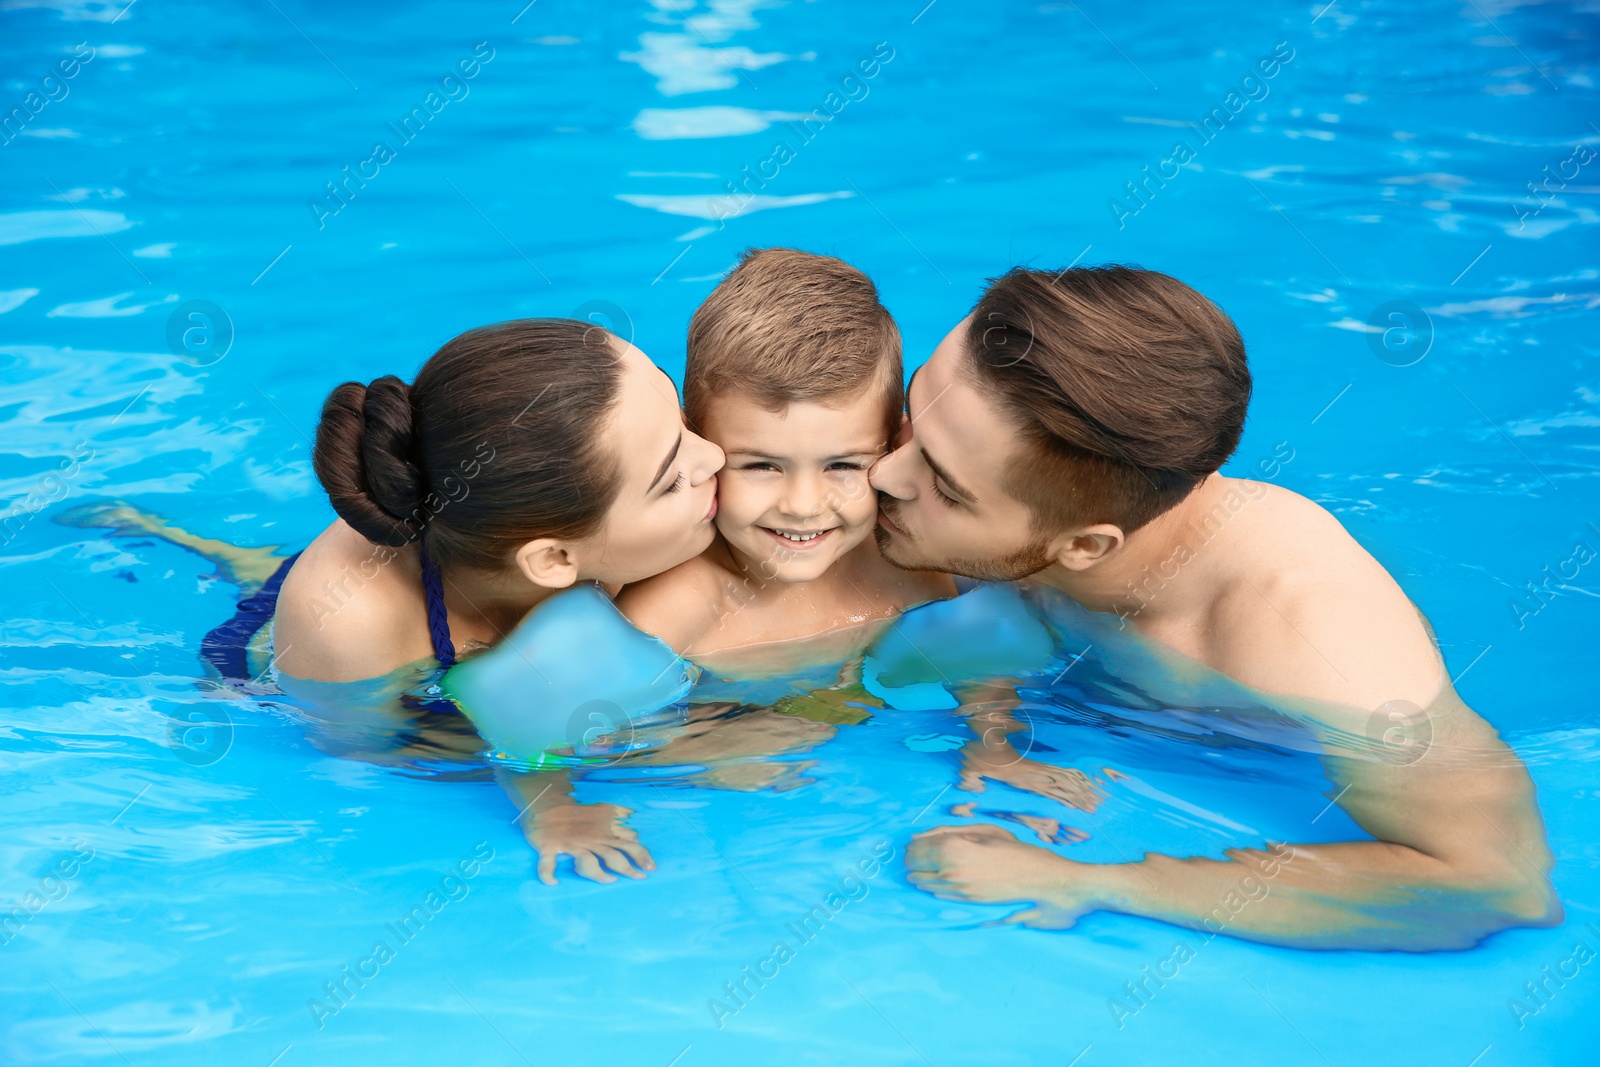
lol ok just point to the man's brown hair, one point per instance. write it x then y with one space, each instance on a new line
786 325
1129 387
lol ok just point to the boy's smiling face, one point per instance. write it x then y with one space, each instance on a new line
794 497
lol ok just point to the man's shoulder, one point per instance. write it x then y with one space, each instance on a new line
1300 537
1304 610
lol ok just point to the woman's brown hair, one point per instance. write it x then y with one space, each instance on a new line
497 442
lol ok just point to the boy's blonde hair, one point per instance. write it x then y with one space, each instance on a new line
786 325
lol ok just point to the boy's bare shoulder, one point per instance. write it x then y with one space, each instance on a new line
680 605
894 588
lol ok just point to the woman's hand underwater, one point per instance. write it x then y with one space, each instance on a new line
594 835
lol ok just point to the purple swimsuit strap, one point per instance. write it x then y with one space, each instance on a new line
444 650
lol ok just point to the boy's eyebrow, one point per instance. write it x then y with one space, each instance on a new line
874 452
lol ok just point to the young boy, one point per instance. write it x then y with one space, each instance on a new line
794 371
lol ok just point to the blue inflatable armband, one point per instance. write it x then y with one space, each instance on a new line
986 633
572 669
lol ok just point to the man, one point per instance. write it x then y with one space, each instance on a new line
1069 432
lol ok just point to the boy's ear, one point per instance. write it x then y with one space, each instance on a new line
548 562
1088 545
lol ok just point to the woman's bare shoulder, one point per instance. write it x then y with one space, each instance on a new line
349 610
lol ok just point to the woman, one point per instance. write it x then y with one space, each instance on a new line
526 458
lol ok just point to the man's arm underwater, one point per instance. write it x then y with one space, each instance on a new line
1459 847
1459 853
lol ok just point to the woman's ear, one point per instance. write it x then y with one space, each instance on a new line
548 562
1083 548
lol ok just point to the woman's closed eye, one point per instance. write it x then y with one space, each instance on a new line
677 484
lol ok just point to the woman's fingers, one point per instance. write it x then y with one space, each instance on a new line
547 866
638 854
589 867
618 863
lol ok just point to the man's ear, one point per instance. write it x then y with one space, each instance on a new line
1089 545
548 562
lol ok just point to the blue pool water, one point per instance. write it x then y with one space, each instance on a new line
584 167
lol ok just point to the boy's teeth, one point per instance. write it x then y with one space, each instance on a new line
799 537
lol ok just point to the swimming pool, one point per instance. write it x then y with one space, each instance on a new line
225 164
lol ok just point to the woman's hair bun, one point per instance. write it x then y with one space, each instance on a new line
366 458
499 440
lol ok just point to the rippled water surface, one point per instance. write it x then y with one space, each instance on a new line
1401 217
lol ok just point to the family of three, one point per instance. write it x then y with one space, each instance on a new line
1066 435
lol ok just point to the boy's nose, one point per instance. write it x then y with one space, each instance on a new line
803 496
